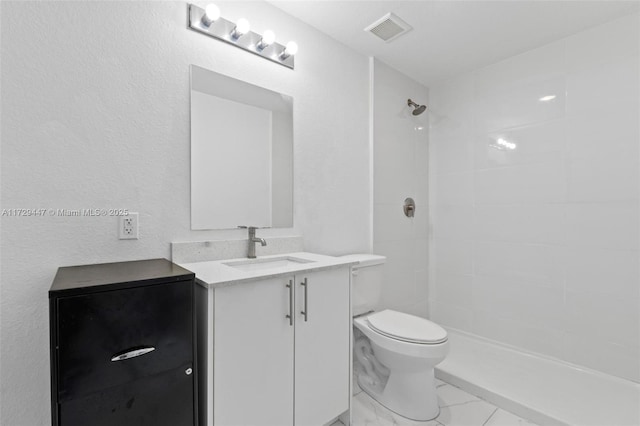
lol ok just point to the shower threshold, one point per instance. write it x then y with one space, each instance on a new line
544 390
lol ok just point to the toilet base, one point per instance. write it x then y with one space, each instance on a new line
411 395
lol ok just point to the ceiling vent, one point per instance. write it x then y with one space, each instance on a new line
389 27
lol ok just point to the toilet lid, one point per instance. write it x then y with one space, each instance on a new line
405 327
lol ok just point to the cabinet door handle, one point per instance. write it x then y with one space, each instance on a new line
290 316
306 304
132 353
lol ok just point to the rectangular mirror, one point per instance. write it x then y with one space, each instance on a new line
241 154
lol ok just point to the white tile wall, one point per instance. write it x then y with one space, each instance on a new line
401 151
531 183
526 223
450 315
454 189
538 246
453 256
543 264
593 135
604 225
518 333
455 222
453 288
610 271
536 143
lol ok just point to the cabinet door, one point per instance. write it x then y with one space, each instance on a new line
95 329
322 346
253 355
164 399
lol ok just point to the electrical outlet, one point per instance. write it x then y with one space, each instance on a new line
128 227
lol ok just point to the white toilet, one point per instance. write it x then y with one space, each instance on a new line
395 352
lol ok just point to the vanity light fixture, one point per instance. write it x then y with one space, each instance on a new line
290 50
547 98
211 14
505 144
209 22
267 40
241 28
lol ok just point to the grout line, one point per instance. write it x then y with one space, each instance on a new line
494 412
462 403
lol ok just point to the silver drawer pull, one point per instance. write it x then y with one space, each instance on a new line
132 353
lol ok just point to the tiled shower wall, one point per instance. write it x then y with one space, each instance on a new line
535 200
400 160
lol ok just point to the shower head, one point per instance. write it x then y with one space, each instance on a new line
417 109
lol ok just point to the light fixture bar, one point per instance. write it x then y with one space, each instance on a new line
223 30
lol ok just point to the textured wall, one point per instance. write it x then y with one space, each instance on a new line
536 243
95 114
400 146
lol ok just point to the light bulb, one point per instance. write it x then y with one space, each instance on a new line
242 27
291 49
268 37
211 14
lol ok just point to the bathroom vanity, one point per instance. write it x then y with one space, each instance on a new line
278 333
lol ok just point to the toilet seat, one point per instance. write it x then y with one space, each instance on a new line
406 328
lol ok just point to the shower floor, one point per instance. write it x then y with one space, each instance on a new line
543 390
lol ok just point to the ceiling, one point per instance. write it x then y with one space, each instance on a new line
450 37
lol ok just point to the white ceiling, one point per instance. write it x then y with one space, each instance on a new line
451 37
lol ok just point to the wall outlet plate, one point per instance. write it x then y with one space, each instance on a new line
128 227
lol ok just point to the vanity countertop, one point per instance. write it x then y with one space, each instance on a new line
218 273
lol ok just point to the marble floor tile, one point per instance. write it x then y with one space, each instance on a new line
457 408
356 386
505 418
450 395
367 412
473 413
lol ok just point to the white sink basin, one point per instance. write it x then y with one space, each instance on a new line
268 263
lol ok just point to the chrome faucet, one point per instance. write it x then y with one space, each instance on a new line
253 240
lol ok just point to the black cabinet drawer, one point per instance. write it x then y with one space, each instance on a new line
94 328
160 400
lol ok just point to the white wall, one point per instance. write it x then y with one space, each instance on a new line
95 114
400 142
538 246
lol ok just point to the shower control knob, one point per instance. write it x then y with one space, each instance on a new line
409 207
188 371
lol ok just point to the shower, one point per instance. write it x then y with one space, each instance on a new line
417 109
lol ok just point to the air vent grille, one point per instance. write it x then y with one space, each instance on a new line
389 27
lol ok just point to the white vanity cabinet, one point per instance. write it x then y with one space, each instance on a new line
281 350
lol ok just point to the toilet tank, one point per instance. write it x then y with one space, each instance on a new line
366 281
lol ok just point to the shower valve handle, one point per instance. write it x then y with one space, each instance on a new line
409 207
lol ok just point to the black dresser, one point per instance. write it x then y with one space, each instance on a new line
122 345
